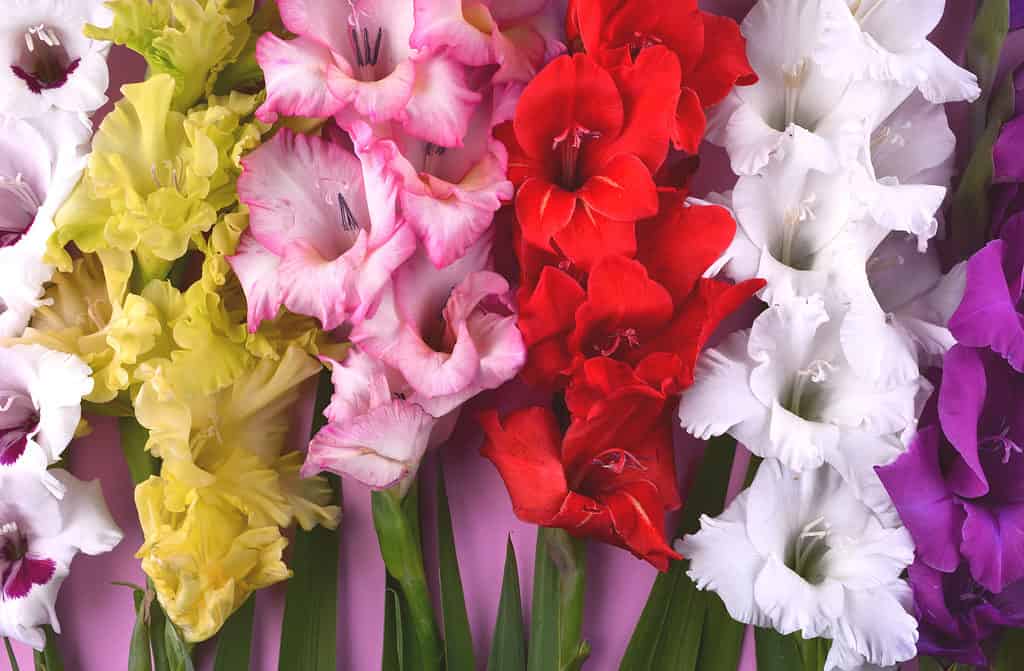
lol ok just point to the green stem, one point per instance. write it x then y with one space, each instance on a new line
403 557
568 555
49 659
10 655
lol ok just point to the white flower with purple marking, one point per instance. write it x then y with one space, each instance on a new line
39 536
40 407
46 61
40 161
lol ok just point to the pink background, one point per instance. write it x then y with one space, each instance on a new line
97 616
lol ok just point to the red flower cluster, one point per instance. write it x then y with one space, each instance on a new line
614 305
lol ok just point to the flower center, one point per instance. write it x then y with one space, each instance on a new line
808 549
18 421
791 224
801 392
19 571
793 77
641 41
568 146
618 461
1002 441
621 338
21 204
366 47
431 155
44 64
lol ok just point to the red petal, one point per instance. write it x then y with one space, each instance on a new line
521 166
594 382
620 294
590 237
547 364
548 311
543 210
650 90
525 448
698 318
682 242
571 92
638 517
723 66
689 125
622 190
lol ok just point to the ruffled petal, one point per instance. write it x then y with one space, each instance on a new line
296 72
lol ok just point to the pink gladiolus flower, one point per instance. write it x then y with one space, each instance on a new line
447 195
355 55
320 242
517 35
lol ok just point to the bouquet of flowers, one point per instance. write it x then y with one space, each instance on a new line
492 222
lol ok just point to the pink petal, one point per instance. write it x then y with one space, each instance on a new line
291 185
441 24
377 100
442 102
379 448
297 72
326 22
360 384
316 286
257 270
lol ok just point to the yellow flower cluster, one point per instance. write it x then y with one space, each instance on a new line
145 296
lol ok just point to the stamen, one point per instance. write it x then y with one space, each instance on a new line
348 220
627 336
355 45
618 461
792 218
816 372
571 141
1003 440
793 77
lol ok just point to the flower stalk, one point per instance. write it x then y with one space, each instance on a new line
399 536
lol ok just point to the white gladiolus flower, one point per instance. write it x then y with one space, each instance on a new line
46 62
786 391
39 536
40 162
824 68
801 553
40 407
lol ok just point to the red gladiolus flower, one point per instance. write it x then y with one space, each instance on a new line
583 146
653 312
612 476
710 48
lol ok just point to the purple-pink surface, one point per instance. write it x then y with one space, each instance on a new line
97 616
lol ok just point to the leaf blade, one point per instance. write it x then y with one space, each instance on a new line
458 638
508 647
776 652
309 626
234 643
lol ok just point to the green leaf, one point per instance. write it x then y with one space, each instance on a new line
234 643
508 648
721 650
10 655
813 651
556 620
458 639
984 49
139 654
179 653
668 634
157 636
929 664
393 648
134 436
244 73
971 210
309 628
776 652
1011 652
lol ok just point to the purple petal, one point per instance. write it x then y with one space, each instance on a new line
924 501
27 572
988 315
994 544
943 629
961 403
12 445
1007 156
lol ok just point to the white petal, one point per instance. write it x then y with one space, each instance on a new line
720 401
876 628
